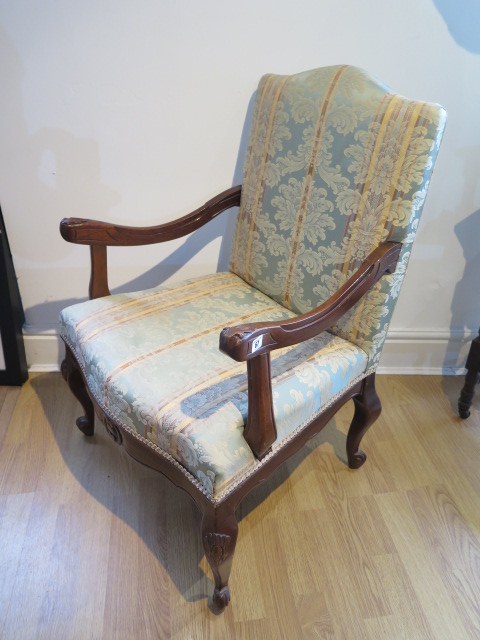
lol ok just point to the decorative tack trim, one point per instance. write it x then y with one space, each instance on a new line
280 444
215 500
137 436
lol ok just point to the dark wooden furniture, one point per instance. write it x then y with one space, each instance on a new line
219 525
11 317
330 150
471 378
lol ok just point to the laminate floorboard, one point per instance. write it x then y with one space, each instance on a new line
94 545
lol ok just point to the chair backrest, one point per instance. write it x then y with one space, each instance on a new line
335 164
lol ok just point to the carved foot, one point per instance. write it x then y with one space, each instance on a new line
72 375
219 537
221 597
85 425
356 460
367 410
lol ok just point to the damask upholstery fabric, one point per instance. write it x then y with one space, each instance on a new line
152 362
335 164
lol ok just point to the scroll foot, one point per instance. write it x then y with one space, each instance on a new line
221 597
367 410
356 460
72 375
219 537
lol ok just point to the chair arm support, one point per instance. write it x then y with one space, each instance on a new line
96 233
247 341
253 342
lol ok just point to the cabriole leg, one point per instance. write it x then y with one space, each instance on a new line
219 536
467 393
471 379
72 375
367 410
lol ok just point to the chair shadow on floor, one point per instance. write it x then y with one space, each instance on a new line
158 513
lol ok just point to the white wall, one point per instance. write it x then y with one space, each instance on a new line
134 112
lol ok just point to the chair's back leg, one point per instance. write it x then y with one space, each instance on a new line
367 410
471 378
219 536
73 376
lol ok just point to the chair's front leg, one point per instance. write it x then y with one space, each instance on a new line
367 410
73 376
219 536
260 430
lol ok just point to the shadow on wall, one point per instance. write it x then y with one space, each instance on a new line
223 227
465 306
56 167
466 296
462 18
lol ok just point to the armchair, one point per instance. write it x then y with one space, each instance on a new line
216 381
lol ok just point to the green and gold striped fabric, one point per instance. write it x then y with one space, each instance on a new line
152 362
335 164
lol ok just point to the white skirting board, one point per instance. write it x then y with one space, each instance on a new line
424 352
421 352
44 351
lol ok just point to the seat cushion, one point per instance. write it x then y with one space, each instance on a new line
152 362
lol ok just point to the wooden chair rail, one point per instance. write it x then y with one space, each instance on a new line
95 232
247 341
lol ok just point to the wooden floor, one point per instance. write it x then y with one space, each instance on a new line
92 545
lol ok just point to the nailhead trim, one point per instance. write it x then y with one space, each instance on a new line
242 477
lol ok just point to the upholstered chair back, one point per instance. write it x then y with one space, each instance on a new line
335 164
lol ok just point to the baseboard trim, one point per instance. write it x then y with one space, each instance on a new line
425 352
406 352
45 351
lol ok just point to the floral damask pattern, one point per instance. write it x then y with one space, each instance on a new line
177 390
335 165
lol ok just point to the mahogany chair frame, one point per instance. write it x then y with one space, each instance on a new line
219 528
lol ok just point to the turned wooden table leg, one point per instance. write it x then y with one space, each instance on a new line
471 378
367 410
219 536
73 376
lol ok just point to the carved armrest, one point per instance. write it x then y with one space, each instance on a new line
99 235
253 342
96 233
247 341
